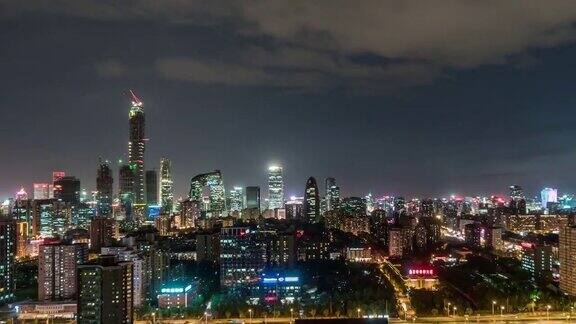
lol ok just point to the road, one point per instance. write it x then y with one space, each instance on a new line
394 277
554 317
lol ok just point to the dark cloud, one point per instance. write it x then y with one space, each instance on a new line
293 68
311 42
110 69
477 88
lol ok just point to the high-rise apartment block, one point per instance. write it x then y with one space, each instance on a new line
567 257
57 270
105 292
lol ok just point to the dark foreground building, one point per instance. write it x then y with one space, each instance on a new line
105 292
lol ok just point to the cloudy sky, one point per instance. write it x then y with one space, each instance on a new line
393 97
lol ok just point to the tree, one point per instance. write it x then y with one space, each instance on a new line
312 312
531 305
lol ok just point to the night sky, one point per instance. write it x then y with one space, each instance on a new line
406 98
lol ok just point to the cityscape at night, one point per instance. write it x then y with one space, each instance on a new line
287 161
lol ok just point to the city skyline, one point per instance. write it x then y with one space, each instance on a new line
139 183
287 161
468 121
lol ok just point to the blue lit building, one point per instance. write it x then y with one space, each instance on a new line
51 217
82 216
567 202
277 287
153 211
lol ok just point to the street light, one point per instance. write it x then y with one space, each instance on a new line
358 312
250 312
547 312
502 310
153 317
291 312
454 314
448 309
493 304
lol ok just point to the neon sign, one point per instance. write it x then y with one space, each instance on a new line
421 272
280 280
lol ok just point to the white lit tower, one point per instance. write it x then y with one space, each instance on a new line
237 199
166 183
275 187
136 146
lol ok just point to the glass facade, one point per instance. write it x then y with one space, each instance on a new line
275 187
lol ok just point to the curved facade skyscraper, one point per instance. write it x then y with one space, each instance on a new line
275 187
136 147
312 201
212 180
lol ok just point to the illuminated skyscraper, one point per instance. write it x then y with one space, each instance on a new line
136 147
57 175
22 230
332 194
548 195
212 180
151 188
516 192
166 183
253 197
42 190
275 187
294 208
50 217
125 185
7 255
237 199
311 201
22 211
369 201
104 188
355 206
21 195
